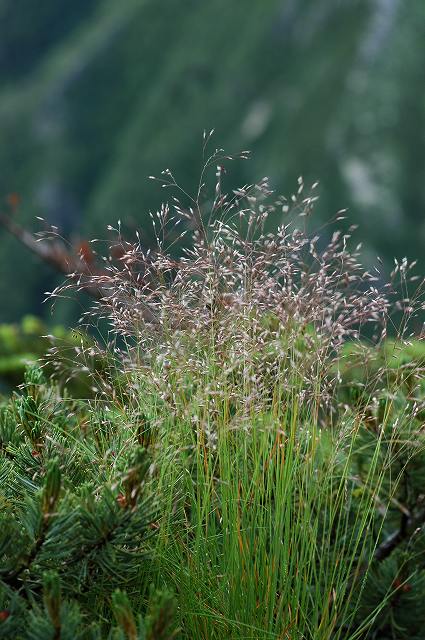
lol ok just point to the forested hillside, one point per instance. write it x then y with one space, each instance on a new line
95 95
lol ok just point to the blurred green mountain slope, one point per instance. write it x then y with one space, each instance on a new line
96 95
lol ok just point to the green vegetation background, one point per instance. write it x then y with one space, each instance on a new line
95 95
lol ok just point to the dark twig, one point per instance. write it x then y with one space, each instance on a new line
57 256
407 528
77 267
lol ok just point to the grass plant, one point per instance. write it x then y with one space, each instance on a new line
288 494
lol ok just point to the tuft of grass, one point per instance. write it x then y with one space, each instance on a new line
268 527
278 496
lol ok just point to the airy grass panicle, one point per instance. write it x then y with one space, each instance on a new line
232 357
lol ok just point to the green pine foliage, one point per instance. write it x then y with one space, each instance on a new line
108 510
76 523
